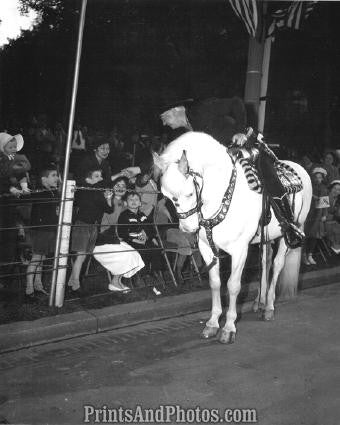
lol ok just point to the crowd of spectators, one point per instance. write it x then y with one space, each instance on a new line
115 206
103 165
323 221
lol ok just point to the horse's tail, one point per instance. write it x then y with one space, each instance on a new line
289 276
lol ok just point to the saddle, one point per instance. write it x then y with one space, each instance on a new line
290 180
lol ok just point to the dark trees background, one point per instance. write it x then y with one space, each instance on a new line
140 54
136 56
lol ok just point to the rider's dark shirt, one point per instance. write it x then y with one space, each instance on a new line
221 118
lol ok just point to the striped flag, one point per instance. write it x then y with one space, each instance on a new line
246 10
290 17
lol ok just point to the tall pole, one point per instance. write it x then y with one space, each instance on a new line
254 76
68 149
253 80
264 83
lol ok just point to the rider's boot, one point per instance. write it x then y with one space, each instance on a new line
292 234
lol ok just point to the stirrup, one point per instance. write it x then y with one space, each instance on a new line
293 236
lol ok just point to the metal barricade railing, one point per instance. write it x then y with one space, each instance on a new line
61 264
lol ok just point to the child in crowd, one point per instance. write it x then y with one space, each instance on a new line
44 220
315 223
90 206
135 230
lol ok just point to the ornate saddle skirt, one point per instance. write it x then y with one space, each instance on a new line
290 180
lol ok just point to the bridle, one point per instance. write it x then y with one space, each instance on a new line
219 216
198 192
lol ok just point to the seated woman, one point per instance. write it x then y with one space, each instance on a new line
115 255
332 224
118 257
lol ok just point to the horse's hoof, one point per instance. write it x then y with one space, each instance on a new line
260 314
255 307
268 315
209 332
258 307
226 337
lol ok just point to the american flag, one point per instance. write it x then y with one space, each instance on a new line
246 10
288 17
291 16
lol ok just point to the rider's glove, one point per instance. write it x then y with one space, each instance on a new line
240 139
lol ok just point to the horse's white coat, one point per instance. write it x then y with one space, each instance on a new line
234 234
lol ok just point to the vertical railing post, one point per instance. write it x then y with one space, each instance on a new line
68 149
64 244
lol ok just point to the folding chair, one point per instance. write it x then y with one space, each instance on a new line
324 250
193 264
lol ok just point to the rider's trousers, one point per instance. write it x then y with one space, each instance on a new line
269 177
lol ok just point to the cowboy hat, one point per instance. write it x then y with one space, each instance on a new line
5 138
167 106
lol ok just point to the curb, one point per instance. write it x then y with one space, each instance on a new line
20 335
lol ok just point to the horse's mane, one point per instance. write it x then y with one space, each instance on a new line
201 149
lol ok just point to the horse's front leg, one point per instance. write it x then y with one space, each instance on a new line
212 325
238 258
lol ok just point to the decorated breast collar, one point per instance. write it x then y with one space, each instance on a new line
220 215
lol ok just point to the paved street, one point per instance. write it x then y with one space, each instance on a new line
288 370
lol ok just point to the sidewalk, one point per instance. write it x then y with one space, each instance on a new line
90 321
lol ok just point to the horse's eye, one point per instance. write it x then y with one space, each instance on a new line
190 195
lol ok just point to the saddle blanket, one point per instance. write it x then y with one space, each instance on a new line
290 180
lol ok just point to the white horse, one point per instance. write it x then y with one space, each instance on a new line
196 172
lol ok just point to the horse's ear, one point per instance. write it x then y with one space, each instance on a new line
183 165
159 164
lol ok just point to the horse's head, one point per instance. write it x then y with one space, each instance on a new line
180 185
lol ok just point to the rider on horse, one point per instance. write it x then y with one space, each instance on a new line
220 118
278 196
228 123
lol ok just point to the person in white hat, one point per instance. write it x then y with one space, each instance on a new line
13 167
13 180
